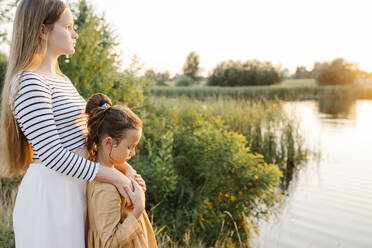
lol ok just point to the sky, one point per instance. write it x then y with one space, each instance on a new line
287 32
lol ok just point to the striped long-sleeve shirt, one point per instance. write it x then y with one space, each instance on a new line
50 113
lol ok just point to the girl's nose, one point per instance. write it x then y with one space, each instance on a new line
75 35
132 153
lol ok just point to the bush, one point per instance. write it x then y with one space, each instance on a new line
235 73
337 72
128 88
202 179
301 73
158 79
184 81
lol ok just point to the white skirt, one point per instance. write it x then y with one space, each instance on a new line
50 210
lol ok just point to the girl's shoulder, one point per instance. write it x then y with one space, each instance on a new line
99 191
96 187
27 81
43 78
29 78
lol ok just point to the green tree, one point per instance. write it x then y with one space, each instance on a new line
162 78
251 72
3 65
128 87
191 67
159 78
150 76
336 72
301 73
6 14
95 65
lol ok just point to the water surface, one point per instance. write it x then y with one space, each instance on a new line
329 203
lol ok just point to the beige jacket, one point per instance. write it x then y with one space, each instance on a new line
111 224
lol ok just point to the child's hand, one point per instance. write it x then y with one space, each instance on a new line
126 169
137 197
130 172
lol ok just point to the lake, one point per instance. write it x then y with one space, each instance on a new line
329 201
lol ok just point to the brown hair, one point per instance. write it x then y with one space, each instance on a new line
105 119
27 50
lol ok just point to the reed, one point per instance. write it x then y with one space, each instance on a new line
282 92
269 130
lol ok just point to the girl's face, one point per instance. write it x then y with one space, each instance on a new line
125 150
62 38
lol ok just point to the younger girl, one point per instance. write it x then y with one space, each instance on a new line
114 132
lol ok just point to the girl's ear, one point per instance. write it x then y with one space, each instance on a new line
108 141
43 32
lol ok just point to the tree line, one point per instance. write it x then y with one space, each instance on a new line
98 41
257 73
102 42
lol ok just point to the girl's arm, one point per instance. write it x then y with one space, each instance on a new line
105 208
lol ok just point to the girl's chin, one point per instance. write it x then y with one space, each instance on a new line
70 52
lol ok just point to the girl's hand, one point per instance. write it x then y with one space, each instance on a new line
141 182
126 169
130 172
137 196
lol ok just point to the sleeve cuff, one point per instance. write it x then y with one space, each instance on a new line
95 171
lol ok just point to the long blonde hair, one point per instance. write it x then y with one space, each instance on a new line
27 50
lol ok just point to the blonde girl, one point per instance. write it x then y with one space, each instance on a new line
42 124
114 132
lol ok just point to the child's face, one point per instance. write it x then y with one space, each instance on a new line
125 150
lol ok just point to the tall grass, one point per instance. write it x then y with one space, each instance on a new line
8 191
269 130
283 92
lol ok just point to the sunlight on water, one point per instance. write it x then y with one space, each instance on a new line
330 203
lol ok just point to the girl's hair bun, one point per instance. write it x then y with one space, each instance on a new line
96 103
